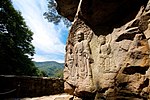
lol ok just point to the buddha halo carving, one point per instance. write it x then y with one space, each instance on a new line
78 62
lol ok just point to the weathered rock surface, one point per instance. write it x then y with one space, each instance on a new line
67 8
108 50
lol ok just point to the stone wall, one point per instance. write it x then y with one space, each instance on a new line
26 86
108 49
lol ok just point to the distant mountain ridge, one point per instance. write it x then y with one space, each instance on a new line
52 68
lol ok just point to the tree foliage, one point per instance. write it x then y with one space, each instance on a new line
15 42
51 68
52 15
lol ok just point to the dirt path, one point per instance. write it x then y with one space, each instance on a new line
51 97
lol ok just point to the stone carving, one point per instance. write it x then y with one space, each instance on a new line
82 63
69 62
108 51
78 63
68 70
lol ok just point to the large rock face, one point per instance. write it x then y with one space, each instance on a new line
108 49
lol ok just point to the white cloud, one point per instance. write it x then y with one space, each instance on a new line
40 58
46 35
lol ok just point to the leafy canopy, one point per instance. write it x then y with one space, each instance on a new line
52 15
15 42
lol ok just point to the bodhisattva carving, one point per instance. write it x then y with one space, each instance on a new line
105 54
120 47
69 61
78 64
68 69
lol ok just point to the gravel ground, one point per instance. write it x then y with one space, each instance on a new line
63 96
51 97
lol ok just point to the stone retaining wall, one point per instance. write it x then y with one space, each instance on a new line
25 86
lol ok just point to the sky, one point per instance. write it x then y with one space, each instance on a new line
49 40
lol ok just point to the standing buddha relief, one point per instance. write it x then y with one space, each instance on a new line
78 63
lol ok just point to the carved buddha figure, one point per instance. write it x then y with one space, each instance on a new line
82 62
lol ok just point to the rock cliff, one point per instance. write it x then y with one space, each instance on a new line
108 49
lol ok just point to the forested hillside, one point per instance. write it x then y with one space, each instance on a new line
52 68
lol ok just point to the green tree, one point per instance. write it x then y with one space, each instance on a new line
15 42
52 15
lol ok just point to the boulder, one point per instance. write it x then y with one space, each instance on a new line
108 49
